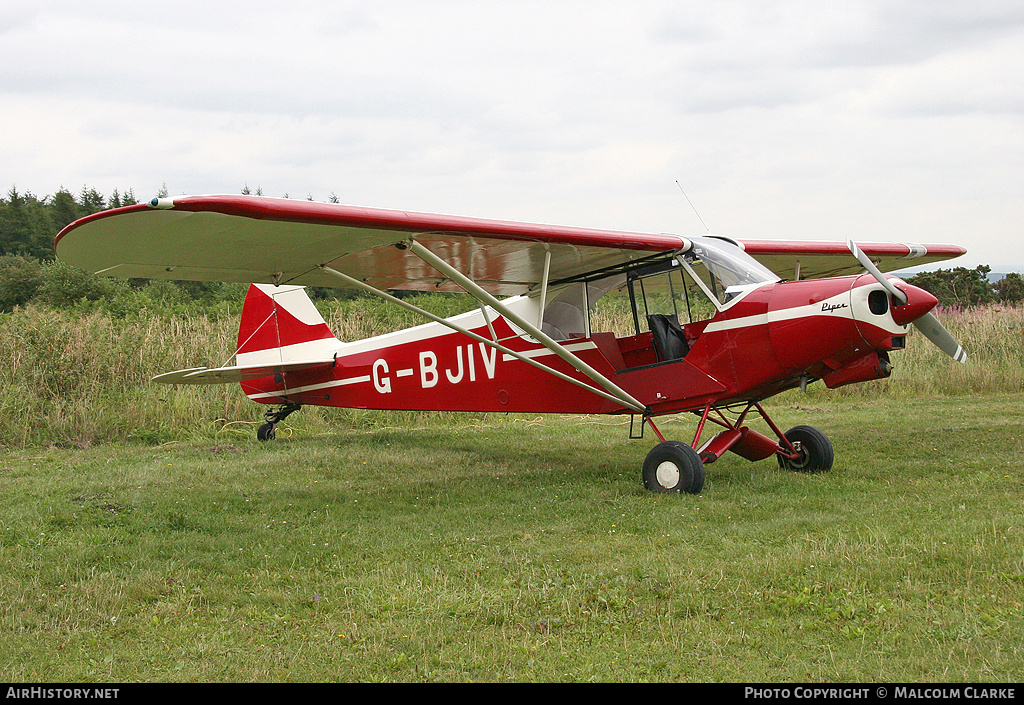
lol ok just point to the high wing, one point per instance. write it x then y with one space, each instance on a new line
280 241
796 259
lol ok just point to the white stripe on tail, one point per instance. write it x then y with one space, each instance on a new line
281 324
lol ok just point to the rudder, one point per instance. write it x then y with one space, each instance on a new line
281 324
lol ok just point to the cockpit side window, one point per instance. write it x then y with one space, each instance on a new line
685 289
664 293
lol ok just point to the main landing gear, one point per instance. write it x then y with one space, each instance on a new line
674 466
268 430
813 450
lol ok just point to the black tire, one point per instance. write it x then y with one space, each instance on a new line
673 466
816 453
266 432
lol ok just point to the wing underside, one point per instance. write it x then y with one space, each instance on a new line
274 241
797 259
280 241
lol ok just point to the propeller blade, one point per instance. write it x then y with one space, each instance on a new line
933 330
928 324
875 272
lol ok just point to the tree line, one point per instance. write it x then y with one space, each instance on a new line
29 224
962 287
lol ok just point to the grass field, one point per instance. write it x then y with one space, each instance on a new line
510 548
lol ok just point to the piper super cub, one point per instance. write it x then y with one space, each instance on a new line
717 325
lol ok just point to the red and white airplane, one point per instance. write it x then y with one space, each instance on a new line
717 325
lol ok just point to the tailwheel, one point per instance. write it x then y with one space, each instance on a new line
268 431
673 466
813 450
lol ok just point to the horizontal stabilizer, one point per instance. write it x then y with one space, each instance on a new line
237 373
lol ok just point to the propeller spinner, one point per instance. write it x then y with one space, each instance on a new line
927 323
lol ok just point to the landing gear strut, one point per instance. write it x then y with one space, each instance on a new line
268 430
673 466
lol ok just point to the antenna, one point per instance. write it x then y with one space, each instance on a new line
706 228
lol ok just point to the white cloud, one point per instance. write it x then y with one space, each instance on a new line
793 119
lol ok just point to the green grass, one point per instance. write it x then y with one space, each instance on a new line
491 548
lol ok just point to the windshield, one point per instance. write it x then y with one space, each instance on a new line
725 269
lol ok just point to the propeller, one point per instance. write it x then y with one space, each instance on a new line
927 323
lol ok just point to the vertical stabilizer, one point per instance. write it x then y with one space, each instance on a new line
281 324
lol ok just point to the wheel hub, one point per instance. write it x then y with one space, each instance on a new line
668 474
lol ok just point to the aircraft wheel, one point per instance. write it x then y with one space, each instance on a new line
673 466
266 432
816 454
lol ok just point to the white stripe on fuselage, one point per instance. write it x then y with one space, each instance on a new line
838 305
540 352
849 304
310 387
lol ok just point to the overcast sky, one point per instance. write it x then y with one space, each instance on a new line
887 120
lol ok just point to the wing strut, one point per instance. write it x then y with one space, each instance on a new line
544 286
635 405
534 331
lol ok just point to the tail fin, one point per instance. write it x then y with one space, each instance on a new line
281 324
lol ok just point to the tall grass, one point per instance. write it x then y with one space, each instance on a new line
992 336
81 377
